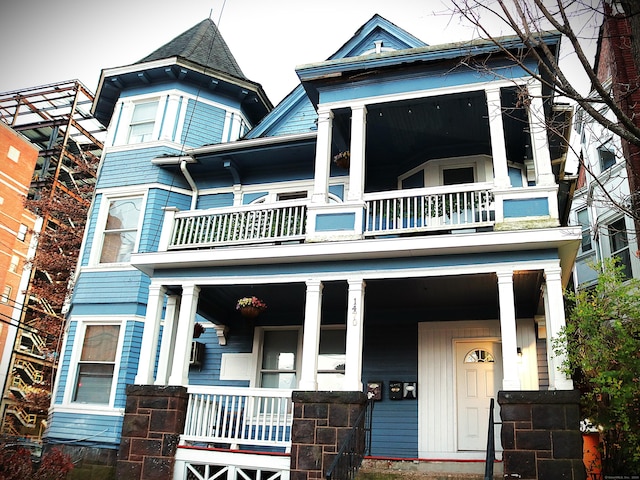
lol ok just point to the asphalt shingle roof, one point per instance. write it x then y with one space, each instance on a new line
202 44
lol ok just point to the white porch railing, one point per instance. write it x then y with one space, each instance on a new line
284 221
239 416
423 209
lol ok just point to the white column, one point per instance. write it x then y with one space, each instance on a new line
539 140
168 342
357 149
323 157
150 333
184 335
498 147
355 319
311 336
554 312
506 298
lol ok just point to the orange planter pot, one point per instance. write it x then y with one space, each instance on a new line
591 455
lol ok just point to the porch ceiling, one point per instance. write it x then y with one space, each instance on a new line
457 297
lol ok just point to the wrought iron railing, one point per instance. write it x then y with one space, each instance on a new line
357 444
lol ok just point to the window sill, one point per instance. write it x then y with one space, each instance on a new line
88 409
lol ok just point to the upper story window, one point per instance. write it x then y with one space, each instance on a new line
96 365
6 294
606 157
458 175
585 224
142 122
620 245
120 233
22 233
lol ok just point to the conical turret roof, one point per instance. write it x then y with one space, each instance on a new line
202 44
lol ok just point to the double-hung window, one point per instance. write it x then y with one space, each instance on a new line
585 224
96 366
606 156
142 122
121 229
620 246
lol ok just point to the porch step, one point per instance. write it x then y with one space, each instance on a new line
374 469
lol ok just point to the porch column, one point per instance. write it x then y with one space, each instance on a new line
506 298
355 318
498 145
150 333
554 312
323 157
311 336
168 342
357 149
539 140
182 351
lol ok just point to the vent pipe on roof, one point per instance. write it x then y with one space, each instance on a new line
192 184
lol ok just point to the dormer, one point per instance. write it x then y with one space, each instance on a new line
190 92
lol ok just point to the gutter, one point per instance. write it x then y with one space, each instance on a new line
192 184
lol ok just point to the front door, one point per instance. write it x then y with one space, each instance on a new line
478 373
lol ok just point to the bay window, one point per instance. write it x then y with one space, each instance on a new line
120 232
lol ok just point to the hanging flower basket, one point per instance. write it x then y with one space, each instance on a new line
250 307
342 159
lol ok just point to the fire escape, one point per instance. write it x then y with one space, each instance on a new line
57 119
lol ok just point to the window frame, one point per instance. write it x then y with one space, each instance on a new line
101 224
607 148
5 297
585 229
613 232
75 362
133 124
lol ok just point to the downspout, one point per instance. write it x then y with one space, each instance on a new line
192 184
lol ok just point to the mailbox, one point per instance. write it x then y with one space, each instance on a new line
395 390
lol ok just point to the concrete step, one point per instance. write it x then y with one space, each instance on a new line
375 469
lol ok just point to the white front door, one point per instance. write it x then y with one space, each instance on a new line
478 374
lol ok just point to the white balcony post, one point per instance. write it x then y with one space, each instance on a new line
555 320
311 336
355 319
168 342
323 156
167 228
539 140
357 149
184 335
506 298
498 147
150 333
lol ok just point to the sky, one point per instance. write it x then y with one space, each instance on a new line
58 40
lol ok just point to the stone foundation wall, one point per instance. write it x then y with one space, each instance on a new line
541 435
321 421
153 421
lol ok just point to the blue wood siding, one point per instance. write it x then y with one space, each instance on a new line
63 370
128 360
203 125
157 200
215 201
111 293
85 429
388 41
391 354
133 167
527 207
301 118
91 229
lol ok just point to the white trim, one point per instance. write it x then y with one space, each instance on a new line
87 409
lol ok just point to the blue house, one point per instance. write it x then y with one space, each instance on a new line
401 214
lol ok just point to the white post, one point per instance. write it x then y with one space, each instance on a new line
168 339
506 298
323 157
498 148
150 333
554 312
184 335
357 149
311 336
355 319
539 141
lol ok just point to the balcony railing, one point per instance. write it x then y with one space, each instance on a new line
284 221
440 208
239 417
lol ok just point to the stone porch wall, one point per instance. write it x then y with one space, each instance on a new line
321 421
541 435
153 421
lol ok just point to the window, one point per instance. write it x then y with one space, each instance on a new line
6 294
620 245
279 359
94 379
142 122
15 261
22 233
479 356
331 359
583 220
607 158
457 176
120 231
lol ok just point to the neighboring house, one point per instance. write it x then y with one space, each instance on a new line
61 144
428 269
602 203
